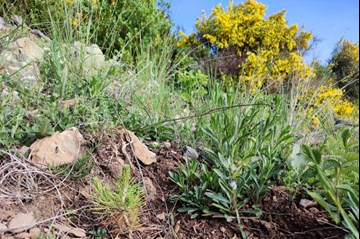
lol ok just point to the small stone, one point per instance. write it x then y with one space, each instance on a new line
68 103
22 222
150 188
313 210
190 152
34 232
222 229
161 216
177 227
275 199
17 19
78 232
305 203
266 224
141 151
167 144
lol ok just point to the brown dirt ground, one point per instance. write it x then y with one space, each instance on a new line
282 217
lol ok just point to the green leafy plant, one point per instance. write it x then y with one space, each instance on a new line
116 25
99 233
123 203
338 179
246 156
191 84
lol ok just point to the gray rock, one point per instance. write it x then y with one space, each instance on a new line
91 56
190 152
20 61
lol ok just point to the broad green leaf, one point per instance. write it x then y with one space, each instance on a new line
217 197
296 159
345 136
222 207
312 154
187 209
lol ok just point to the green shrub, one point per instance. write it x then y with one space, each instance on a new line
245 155
330 175
122 204
345 64
112 24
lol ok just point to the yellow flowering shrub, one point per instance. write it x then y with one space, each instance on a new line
318 105
268 49
333 98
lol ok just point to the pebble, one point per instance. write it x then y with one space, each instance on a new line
34 232
305 203
22 220
190 152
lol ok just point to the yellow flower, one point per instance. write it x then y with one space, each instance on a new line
77 19
74 22
315 120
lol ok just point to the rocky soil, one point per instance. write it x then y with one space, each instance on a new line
35 200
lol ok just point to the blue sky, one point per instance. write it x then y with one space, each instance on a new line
329 20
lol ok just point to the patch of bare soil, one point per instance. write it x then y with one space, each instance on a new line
62 205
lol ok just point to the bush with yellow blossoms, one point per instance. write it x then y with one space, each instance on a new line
333 98
265 48
327 100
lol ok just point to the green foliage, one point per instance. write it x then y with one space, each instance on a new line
100 233
192 84
246 157
337 181
124 202
113 25
345 64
